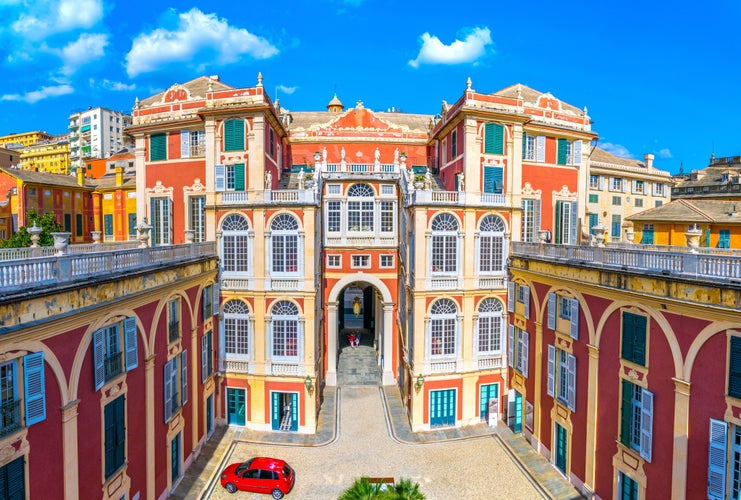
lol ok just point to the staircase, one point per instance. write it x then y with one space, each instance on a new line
358 366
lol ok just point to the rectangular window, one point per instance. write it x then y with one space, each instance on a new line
627 487
563 156
562 376
334 261
161 223
234 135
387 261
175 384
734 368
639 202
387 189
638 187
207 297
78 224
617 201
454 144
566 222
593 198
658 189
530 220
197 217
616 227
519 347
115 351
30 370
334 216
493 139
157 147
593 181
724 238
13 480
115 435
360 261
387 217
272 143
173 320
207 356
633 338
529 147
636 418
197 143
616 184
658 203
493 179
334 189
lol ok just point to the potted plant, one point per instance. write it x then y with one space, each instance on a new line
308 180
403 156
317 156
419 181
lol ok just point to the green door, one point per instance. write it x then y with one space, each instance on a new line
488 400
515 411
209 414
235 406
442 408
284 411
561 448
175 459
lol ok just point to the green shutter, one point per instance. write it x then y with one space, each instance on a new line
78 224
634 338
558 238
239 177
157 147
626 412
108 224
524 145
734 369
493 138
234 135
562 145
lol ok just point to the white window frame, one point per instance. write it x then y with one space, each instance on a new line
386 261
489 327
237 331
447 324
334 261
360 261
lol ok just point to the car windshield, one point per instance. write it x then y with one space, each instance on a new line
287 471
243 466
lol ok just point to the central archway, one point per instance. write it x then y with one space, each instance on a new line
384 331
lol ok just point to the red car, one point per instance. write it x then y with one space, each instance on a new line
259 475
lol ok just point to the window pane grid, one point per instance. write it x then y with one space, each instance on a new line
197 217
443 337
285 338
236 338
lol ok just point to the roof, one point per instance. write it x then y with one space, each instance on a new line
44 178
335 102
197 88
531 95
683 210
305 120
599 154
109 182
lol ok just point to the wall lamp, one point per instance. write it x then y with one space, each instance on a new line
420 382
309 385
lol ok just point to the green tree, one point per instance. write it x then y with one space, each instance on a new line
22 238
405 489
363 489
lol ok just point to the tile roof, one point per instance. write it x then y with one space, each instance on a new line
531 96
599 154
45 178
682 210
305 120
196 87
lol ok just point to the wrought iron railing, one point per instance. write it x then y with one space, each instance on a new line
112 365
10 416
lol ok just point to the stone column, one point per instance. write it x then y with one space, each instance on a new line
141 173
591 441
331 379
69 450
681 432
388 347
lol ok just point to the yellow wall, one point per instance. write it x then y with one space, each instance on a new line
52 158
674 234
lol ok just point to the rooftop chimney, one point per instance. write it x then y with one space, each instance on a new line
81 176
648 159
119 176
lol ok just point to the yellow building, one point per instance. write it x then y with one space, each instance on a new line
52 157
709 223
25 138
620 187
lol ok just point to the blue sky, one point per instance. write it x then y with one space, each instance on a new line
657 77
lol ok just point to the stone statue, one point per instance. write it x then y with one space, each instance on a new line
396 155
461 182
324 155
378 155
342 153
268 180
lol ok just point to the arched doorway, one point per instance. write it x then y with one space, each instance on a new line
371 299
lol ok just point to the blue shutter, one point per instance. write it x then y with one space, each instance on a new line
216 290
571 391
717 459
524 145
184 376
204 362
724 238
275 408
234 135
647 415
574 305
540 148
536 220
98 357
576 152
525 352
12 479
33 383
204 301
552 311
167 384
511 347
184 144
219 178
510 296
574 221
551 370
526 299
489 179
152 211
132 354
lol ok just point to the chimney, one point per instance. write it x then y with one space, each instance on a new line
119 176
648 159
81 176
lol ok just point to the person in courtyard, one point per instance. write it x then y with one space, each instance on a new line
351 339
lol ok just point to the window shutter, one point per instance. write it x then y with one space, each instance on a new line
184 144
216 290
132 355
647 416
511 347
551 369
625 185
576 152
204 374
601 183
734 370
33 383
536 220
665 190
574 305
493 138
524 145
571 396
573 230
540 150
557 238
717 459
526 298
98 356
157 147
561 157
525 351
167 383
510 296
489 179
219 178
234 135
239 177
626 412
184 376
634 184
552 311
204 302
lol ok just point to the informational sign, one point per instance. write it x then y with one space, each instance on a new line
493 412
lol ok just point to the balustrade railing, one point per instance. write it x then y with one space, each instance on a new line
10 416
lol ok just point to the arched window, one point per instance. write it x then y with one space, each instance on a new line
489 327
491 245
284 229
236 329
360 208
444 244
285 330
235 244
442 327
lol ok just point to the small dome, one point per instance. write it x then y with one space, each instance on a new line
335 105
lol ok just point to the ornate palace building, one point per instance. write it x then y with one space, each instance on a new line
390 226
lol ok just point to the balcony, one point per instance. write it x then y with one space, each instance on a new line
112 366
489 363
365 241
10 416
279 197
459 198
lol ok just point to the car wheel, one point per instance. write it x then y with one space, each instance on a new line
230 488
277 494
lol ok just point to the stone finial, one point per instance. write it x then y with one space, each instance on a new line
136 103
519 91
210 84
359 105
468 83
259 79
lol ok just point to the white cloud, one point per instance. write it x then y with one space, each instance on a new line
196 33
38 95
87 48
471 48
112 85
616 149
664 153
58 16
286 90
